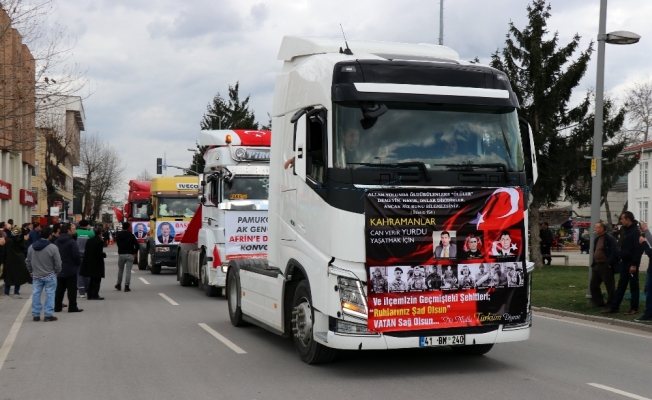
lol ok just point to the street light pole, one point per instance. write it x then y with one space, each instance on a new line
596 162
618 37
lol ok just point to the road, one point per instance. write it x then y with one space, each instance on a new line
143 345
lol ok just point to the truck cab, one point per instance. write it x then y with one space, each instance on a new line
172 204
232 220
135 211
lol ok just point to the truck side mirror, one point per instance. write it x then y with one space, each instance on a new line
529 152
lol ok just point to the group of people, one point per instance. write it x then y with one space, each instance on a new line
610 258
58 259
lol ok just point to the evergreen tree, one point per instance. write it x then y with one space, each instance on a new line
225 114
543 77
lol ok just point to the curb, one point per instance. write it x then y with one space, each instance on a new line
594 318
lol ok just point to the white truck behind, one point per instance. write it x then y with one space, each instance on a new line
231 222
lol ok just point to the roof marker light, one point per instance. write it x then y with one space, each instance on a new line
228 139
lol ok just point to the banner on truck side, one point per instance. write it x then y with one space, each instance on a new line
441 258
170 232
245 234
140 229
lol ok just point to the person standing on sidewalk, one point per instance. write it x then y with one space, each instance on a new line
605 259
93 264
44 263
83 236
546 242
647 315
630 260
70 261
34 234
127 247
15 272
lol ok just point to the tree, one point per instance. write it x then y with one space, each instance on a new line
144 175
577 181
102 171
41 77
543 77
220 113
639 107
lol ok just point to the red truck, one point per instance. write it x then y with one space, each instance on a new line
135 212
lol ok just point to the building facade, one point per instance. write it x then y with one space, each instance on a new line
639 194
57 153
17 124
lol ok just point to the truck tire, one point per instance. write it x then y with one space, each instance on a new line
184 279
156 269
473 350
210 291
142 259
233 291
303 317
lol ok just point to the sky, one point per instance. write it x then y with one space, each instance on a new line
154 65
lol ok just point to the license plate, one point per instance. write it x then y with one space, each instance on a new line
428 341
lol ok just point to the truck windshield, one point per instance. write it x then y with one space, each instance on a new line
434 134
184 207
247 188
140 211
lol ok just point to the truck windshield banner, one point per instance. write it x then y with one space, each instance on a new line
441 258
246 234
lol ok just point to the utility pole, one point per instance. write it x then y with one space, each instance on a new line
441 22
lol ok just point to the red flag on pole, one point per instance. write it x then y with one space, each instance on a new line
118 213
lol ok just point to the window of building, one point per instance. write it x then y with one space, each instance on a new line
642 175
35 170
643 210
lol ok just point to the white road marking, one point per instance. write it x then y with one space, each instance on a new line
13 332
596 327
174 303
222 339
144 281
618 391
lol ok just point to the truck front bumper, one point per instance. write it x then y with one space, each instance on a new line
381 341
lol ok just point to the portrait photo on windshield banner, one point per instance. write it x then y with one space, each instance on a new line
444 258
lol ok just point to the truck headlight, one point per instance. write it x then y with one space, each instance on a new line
352 297
161 249
225 268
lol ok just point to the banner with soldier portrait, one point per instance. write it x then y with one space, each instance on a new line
441 258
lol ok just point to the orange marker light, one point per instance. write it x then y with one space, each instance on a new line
228 139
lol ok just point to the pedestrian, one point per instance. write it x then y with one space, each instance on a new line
15 272
106 236
93 264
604 266
545 233
44 263
630 260
585 241
56 230
70 262
647 315
34 234
8 226
83 236
127 247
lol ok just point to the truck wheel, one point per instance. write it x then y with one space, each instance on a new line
210 291
303 317
233 291
156 269
184 279
142 260
473 350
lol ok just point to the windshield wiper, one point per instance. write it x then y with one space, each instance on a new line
407 164
472 166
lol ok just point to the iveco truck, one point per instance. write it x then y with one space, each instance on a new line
399 181
231 222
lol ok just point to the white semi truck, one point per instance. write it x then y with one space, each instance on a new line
399 181
231 222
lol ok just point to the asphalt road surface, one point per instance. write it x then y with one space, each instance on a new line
163 341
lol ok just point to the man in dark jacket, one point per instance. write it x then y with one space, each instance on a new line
605 260
93 264
630 260
70 262
545 234
127 247
34 234
15 272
